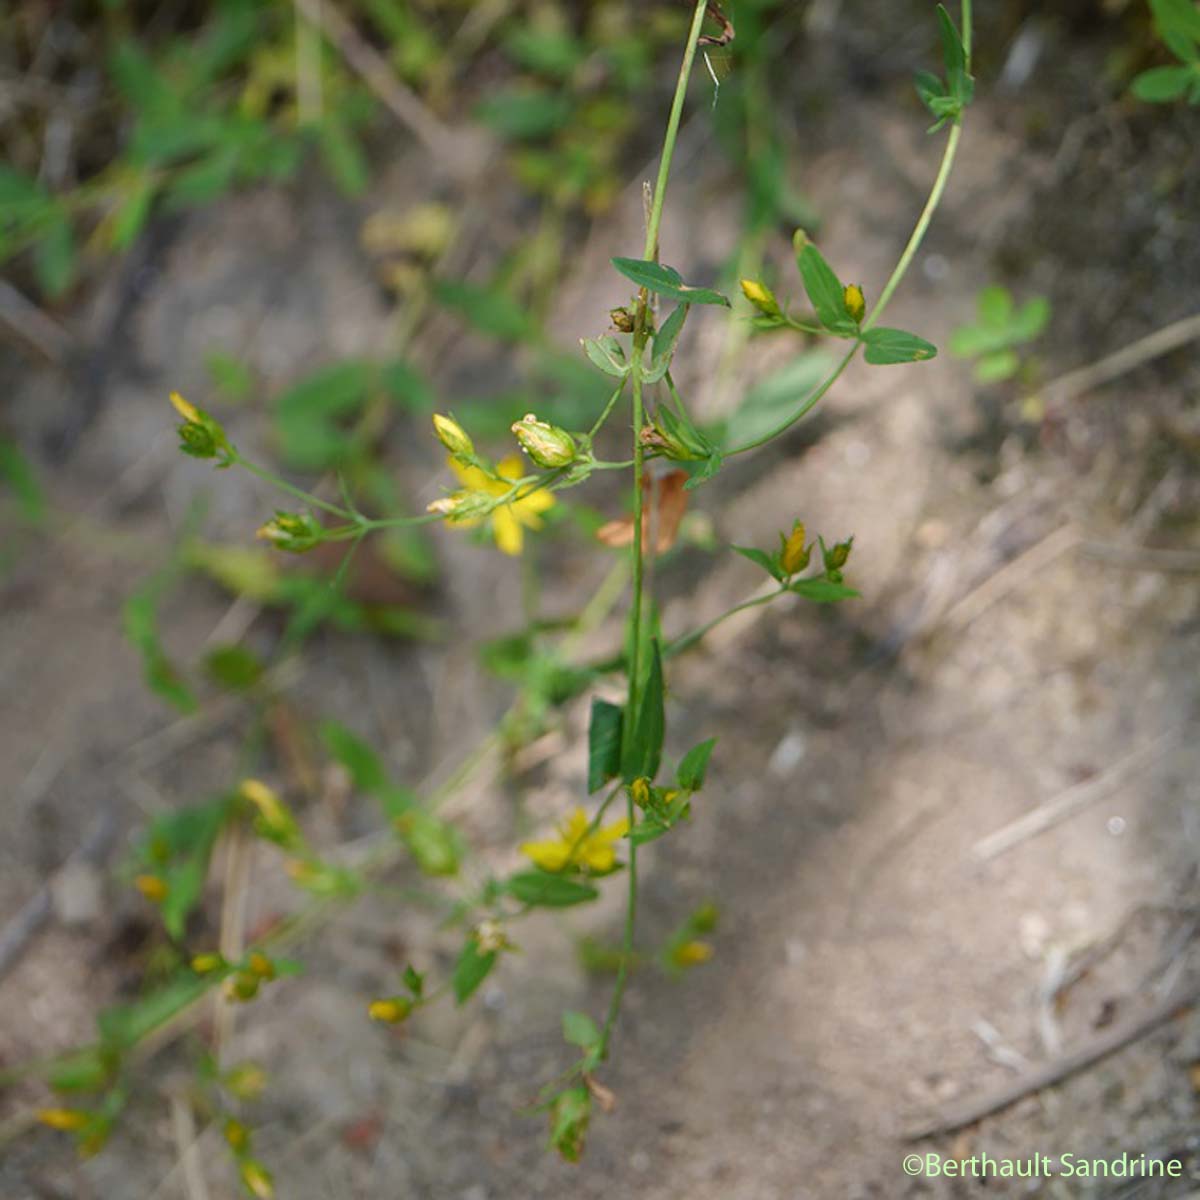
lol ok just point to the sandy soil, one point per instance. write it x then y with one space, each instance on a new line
871 967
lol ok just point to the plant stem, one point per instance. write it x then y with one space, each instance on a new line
688 640
291 489
640 337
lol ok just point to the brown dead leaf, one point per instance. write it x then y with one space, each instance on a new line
663 504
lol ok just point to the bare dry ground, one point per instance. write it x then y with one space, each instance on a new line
1013 650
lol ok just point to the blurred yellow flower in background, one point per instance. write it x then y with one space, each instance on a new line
574 846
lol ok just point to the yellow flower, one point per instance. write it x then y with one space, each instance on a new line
795 555
188 411
691 954
761 297
510 520
152 887
391 1012
66 1119
576 847
257 1179
856 304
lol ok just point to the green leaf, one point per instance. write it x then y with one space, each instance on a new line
551 52
995 305
773 399
691 772
607 354
18 473
887 346
648 830
86 1070
542 889
762 559
365 767
525 114
414 980
954 56
54 258
825 291
124 1026
487 309
641 750
1160 84
343 157
1177 16
433 844
580 1030
234 667
711 465
604 744
997 366
308 413
131 215
471 970
665 341
140 616
823 591
666 281
232 377
177 847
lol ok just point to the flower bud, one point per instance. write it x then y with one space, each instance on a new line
293 532
243 986
246 1081
67 1120
206 964
274 822
836 556
257 1179
452 435
490 937
671 437
546 444
153 887
761 297
855 301
624 320
795 554
691 954
259 964
237 1136
639 792
200 435
391 1011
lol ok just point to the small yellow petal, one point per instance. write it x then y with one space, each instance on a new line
507 530
152 887
66 1119
189 412
512 467
550 856
692 954
472 478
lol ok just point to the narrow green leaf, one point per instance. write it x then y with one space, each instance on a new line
1161 84
823 591
580 1030
666 281
887 346
365 767
124 1026
607 354
691 772
665 341
762 559
1177 16
641 751
604 744
18 473
343 157
471 970
997 366
54 257
487 309
825 291
542 889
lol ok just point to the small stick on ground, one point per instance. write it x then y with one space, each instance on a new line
404 104
1066 803
184 1128
1117 1038
238 849
1144 350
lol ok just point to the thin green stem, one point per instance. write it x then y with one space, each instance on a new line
906 260
612 400
299 493
614 1006
688 640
